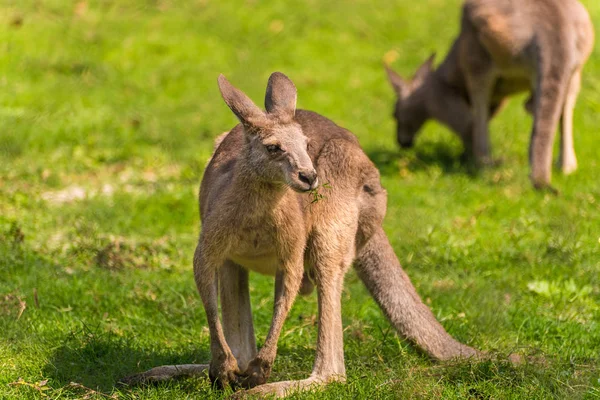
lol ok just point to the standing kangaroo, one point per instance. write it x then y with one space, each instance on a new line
504 47
258 214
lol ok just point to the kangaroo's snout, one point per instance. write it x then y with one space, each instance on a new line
309 178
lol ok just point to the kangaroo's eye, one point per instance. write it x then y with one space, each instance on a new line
273 148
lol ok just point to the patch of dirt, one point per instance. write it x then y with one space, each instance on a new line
105 182
118 253
67 195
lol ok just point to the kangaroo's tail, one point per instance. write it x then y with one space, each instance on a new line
379 269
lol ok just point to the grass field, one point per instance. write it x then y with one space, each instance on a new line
108 111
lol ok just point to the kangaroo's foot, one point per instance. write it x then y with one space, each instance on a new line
285 388
545 187
487 161
165 373
567 162
567 167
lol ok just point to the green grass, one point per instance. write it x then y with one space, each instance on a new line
108 110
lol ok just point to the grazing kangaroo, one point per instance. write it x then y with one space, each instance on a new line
258 210
504 47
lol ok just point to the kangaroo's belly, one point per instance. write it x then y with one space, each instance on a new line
266 264
254 249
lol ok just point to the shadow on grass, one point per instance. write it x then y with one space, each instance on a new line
98 360
426 156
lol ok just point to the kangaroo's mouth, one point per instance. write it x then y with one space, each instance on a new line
303 186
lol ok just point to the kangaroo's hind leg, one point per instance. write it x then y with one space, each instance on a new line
552 82
567 160
236 312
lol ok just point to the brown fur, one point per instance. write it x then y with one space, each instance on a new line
504 47
256 218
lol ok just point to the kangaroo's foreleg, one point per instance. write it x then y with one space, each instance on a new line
287 285
567 159
236 312
379 269
223 365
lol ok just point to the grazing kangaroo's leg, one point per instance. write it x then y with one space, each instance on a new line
236 313
480 91
287 285
480 81
379 269
550 91
567 159
223 365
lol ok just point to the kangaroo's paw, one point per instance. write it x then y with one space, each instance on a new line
224 372
256 374
165 373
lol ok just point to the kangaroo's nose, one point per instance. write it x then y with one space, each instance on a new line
309 177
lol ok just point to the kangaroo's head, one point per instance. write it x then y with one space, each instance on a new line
410 110
277 150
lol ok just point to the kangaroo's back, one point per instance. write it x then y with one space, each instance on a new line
513 29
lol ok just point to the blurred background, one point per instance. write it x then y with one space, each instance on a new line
108 112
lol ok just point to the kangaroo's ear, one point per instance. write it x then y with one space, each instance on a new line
396 80
425 69
280 98
241 105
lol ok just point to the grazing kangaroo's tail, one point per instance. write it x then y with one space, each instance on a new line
379 269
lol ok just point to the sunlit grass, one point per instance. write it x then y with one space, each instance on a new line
108 111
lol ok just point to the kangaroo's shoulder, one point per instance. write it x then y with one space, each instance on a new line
227 147
314 124
321 130
336 151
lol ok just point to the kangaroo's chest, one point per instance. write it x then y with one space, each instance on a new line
254 247
260 234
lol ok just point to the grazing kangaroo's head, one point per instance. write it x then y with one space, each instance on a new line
277 150
410 111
